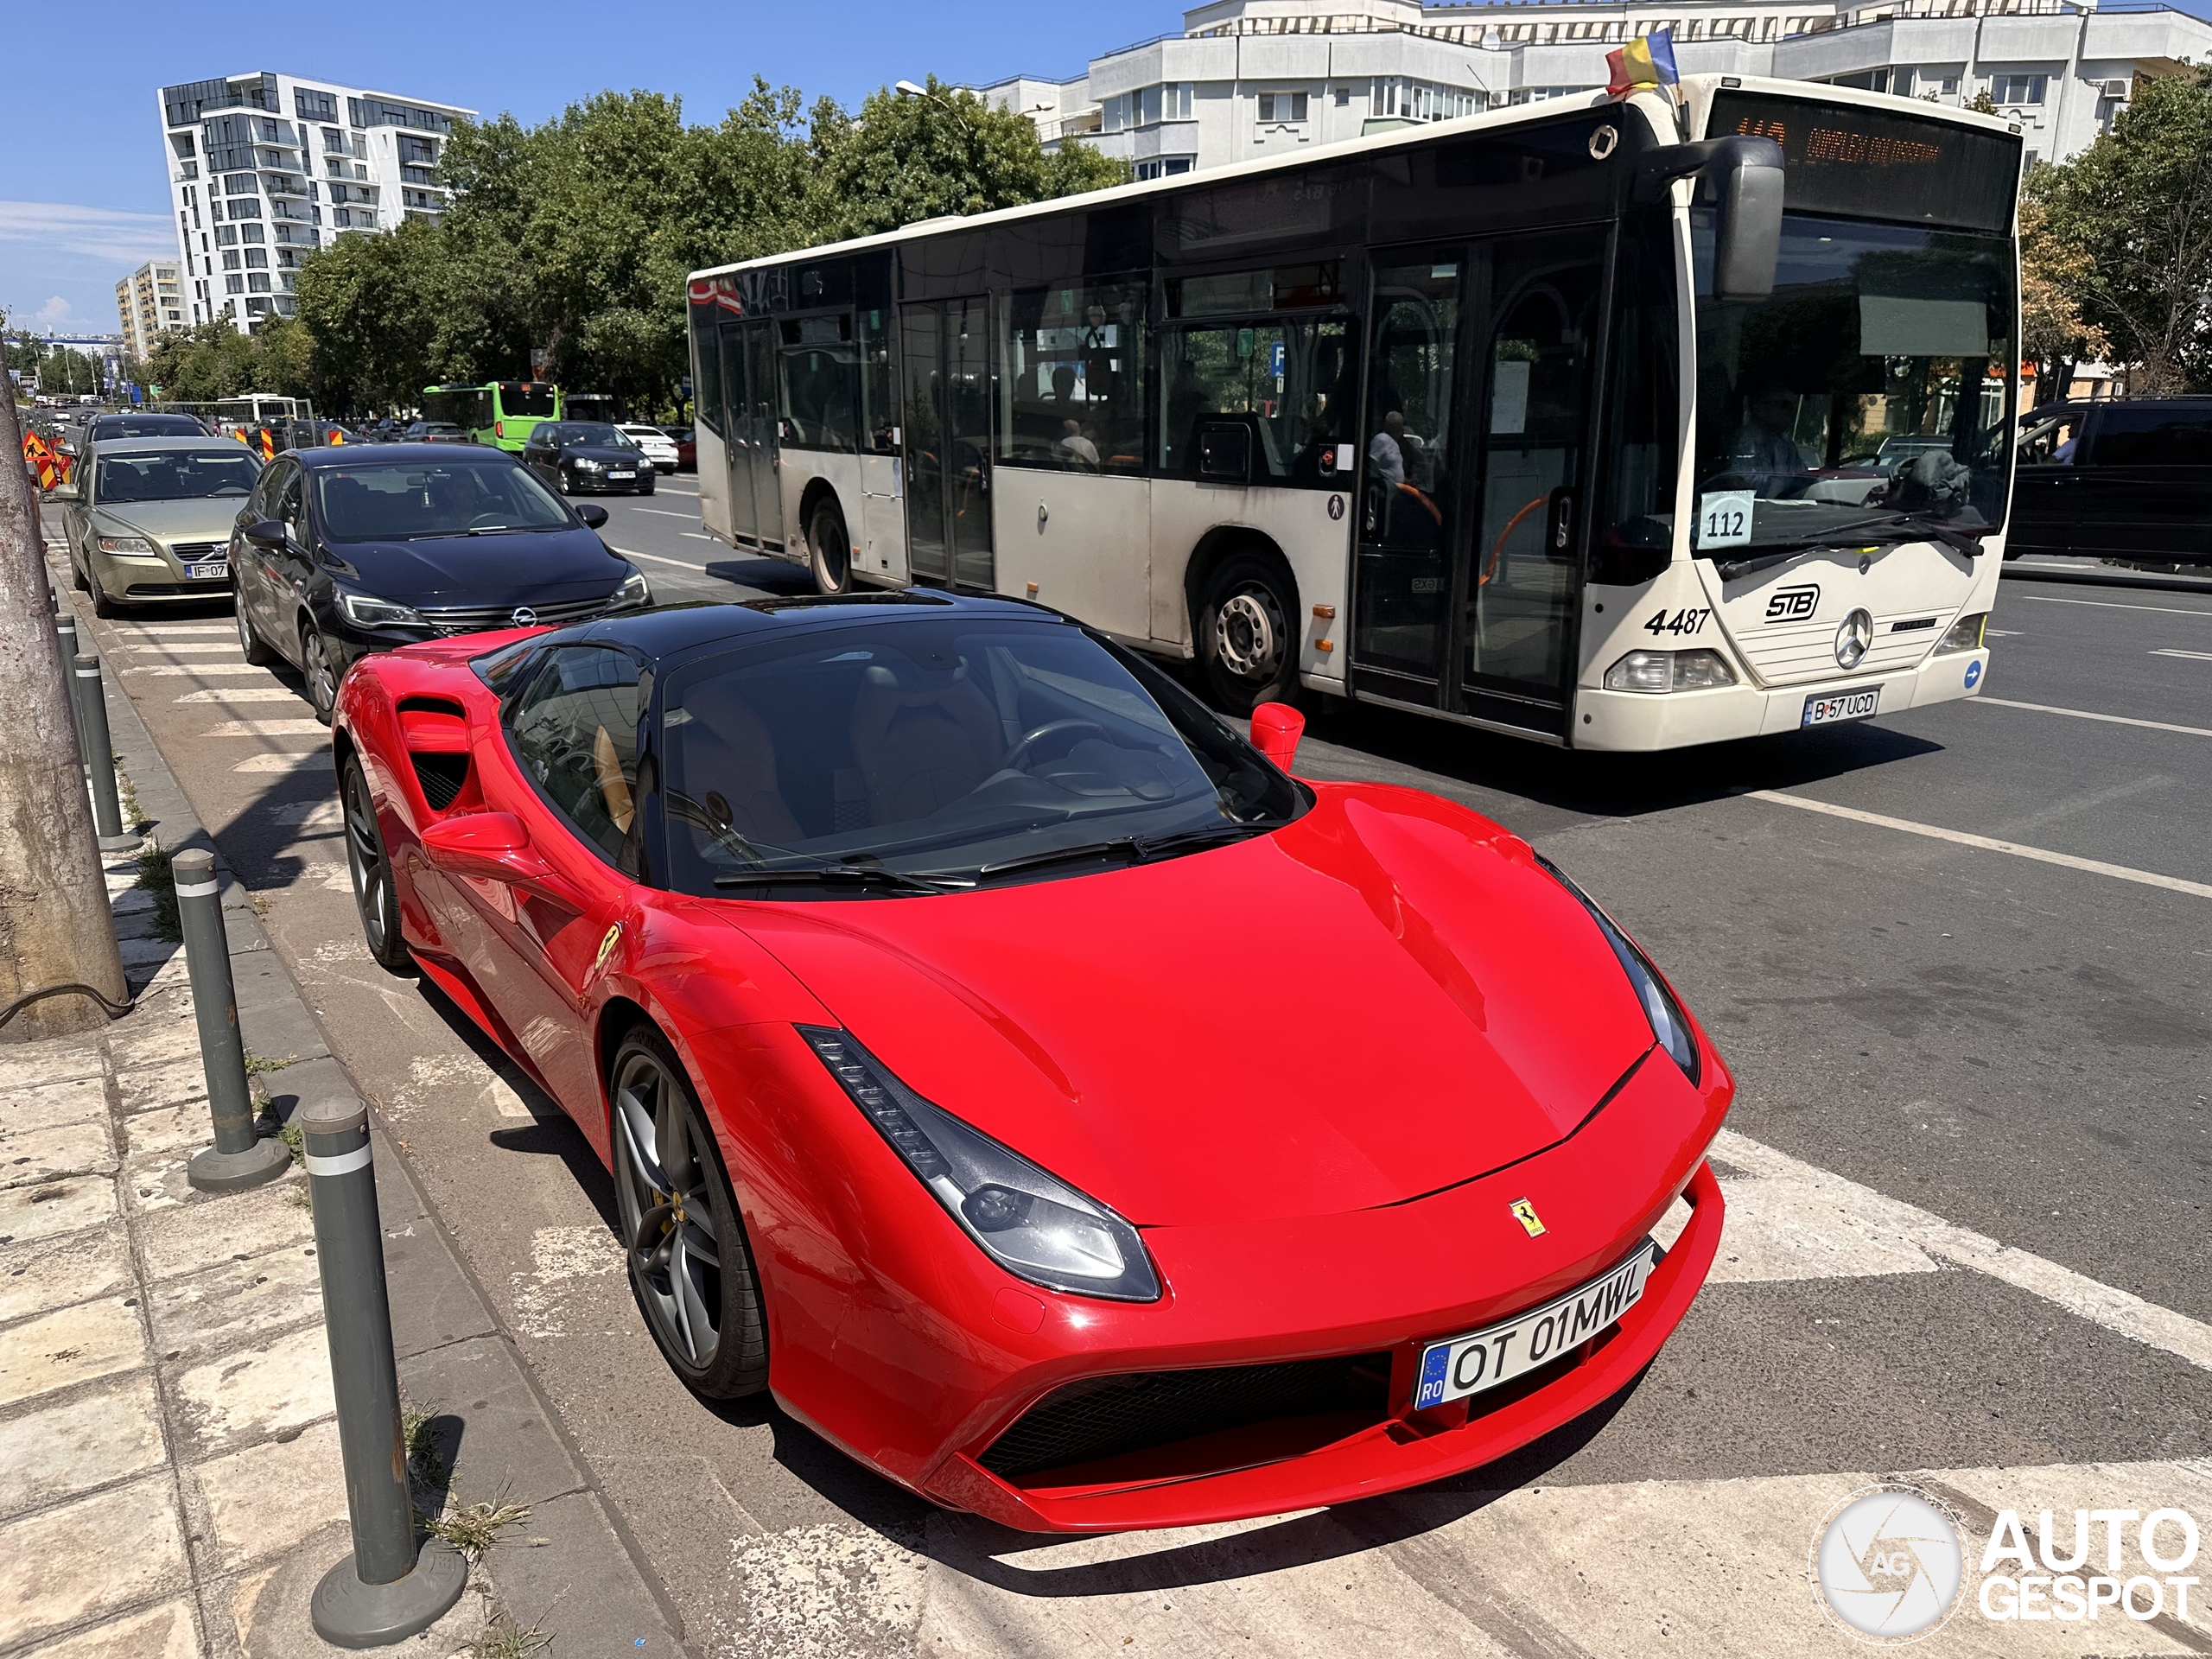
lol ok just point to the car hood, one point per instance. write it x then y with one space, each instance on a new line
522 567
208 519
1383 999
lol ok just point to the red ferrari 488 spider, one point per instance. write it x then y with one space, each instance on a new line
1055 1104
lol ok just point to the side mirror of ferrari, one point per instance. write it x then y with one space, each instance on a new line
490 846
1276 727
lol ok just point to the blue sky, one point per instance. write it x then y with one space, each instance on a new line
84 197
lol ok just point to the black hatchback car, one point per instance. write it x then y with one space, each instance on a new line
345 550
2125 479
577 455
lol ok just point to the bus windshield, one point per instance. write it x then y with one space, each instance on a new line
527 398
1866 396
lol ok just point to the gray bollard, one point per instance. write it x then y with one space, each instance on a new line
390 1588
64 628
239 1157
99 756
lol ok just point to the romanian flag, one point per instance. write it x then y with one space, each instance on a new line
1647 60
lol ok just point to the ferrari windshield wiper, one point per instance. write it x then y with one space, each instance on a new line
841 875
1138 849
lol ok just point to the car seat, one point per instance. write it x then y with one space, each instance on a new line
922 740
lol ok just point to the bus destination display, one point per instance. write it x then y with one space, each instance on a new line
1864 163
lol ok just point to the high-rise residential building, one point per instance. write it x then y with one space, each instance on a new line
148 300
1250 77
264 169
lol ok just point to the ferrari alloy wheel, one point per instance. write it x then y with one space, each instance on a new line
1246 646
690 1267
366 861
321 677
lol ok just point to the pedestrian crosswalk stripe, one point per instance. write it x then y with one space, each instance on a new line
243 694
163 630
186 648
310 728
2085 713
176 670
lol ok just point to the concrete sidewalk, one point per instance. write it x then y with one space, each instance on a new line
170 1481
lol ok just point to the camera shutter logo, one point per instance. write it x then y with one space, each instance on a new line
1889 1564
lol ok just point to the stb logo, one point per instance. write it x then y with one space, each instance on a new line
1888 1563
1793 604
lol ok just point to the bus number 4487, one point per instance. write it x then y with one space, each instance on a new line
1677 622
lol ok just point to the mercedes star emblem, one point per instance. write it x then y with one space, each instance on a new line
526 618
1852 639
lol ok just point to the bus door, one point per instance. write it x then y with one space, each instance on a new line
756 508
944 360
1478 398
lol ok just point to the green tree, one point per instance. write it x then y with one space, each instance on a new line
907 158
2055 272
2138 203
371 307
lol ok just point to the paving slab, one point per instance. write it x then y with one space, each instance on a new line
37 1156
164 1083
71 1346
42 1105
267 1497
51 1273
33 1212
232 1228
225 1306
254 1393
497 1439
267 1611
32 1065
588 1598
169 1631
89 1439
78 1562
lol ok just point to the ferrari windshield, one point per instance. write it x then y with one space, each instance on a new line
945 748
1868 391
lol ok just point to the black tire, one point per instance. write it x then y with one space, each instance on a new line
1248 633
77 575
830 547
646 485
251 646
321 675
682 1236
103 607
366 862
561 483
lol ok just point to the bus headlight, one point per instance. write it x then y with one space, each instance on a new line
1669 670
1965 634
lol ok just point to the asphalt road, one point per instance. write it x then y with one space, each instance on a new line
1958 959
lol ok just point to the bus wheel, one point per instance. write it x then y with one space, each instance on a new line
833 552
1246 651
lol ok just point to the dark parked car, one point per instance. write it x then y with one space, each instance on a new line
340 552
434 432
577 455
2125 479
143 426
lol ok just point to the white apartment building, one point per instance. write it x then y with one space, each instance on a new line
1248 78
148 301
264 169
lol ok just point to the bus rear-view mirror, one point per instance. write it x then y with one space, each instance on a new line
1742 184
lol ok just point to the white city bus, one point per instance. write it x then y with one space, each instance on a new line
1604 421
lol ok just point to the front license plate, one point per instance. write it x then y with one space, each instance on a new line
622 474
1463 1365
218 571
1840 705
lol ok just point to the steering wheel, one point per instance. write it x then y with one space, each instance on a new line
1020 752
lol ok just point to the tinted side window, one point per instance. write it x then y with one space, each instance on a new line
2154 437
291 505
264 501
820 383
575 733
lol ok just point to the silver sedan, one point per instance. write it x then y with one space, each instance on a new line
148 520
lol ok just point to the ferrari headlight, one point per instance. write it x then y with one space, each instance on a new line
1965 634
1669 1023
632 593
1035 1227
129 547
1669 670
371 612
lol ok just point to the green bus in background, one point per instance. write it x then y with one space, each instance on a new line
503 413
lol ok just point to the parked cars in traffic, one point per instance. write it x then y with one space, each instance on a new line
343 551
152 424
576 456
657 447
434 432
848 930
2123 478
148 520
686 440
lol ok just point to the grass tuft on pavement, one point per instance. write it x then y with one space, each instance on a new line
473 1528
156 878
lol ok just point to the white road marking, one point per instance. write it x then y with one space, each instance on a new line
656 558
156 630
310 815
1986 844
243 694
2115 604
2004 633
186 648
2194 656
2084 714
268 729
195 670
281 762
1790 1220
697 536
663 512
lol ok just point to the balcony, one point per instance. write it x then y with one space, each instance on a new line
186 172
285 184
